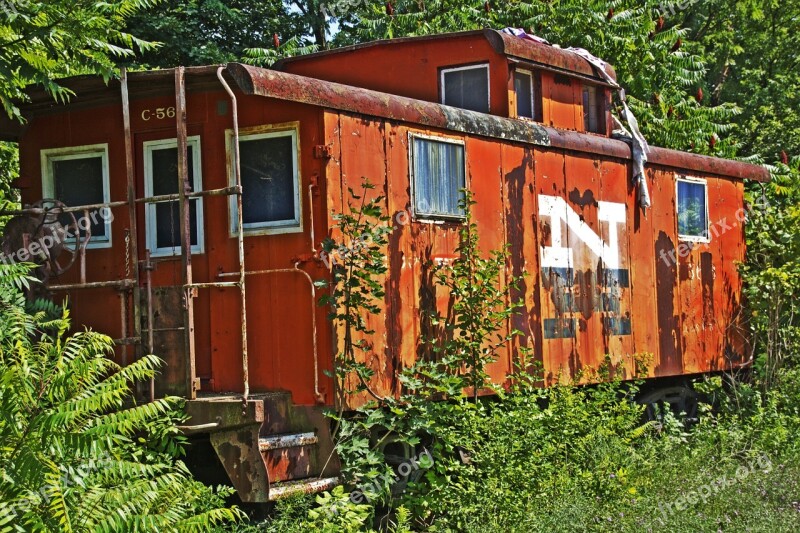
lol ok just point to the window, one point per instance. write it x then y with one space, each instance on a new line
439 175
79 176
593 109
466 87
692 209
162 219
523 88
270 182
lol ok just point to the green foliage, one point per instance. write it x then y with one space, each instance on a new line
357 265
202 32
751 48
76 453
265 57
41 41
465 340
772 272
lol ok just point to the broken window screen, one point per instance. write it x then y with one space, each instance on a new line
269 180
692 210
79 181
166 215
523 87
439 177
467 88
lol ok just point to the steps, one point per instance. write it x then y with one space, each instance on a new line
287 489
296 446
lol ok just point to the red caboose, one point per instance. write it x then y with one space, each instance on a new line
171 259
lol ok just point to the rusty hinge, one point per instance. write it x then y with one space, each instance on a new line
323 151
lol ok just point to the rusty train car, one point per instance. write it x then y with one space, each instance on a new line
201 195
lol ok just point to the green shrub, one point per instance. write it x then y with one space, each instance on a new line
76 452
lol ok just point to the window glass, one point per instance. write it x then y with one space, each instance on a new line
80 182
467 88
523 87
163 220
269 180
439 177
591 110
692 210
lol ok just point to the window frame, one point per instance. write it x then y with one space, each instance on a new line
534 107
291 129
49 155
151 235
433 218
445 70
696 181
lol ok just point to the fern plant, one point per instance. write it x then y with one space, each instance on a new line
76 452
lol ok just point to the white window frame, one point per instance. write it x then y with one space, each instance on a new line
151 236
433 218
277 227
48 156
485 66
528 73
697 181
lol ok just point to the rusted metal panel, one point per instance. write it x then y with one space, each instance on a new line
618 264
556 277
711 296
484 180
559 94
401 298
168 339
239 454
543 53
235 441
361 136
727 282
521 235
665 244
588 304
644 319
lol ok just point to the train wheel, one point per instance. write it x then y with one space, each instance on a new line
681 400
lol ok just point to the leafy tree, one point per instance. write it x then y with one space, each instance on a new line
202 32
41 41
76 454
751 47
772 271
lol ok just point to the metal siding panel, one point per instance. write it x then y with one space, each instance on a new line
521 226
644 313
485 181
582 195
728 283
557 323
616 282
670 361
364 157
401 299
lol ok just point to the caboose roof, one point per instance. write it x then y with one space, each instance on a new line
543 55
92 92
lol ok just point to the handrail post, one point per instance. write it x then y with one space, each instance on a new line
185 229
131 198
237 170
